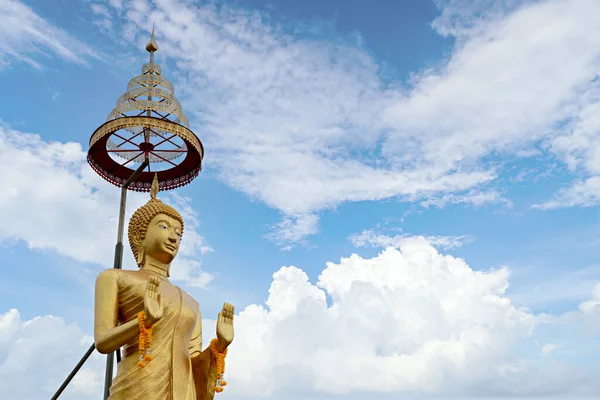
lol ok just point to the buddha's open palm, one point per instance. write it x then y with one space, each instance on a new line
153 306
225 326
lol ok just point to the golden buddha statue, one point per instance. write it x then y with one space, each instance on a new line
128 304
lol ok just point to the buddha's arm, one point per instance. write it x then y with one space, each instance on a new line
205 373
108 334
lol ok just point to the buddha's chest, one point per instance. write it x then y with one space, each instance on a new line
175 302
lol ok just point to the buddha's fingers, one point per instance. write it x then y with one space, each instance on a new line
228 311
223 315
227 307
149 289
152 287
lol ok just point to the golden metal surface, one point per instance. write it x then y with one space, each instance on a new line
153 95
179 369
145 105
152 46
139 186
153 79
147 122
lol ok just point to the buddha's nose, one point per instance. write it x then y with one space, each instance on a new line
172 239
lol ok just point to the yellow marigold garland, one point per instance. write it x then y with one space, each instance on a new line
145 341
219 359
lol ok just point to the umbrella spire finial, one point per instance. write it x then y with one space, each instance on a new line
152 46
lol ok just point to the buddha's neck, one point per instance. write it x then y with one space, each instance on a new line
153 265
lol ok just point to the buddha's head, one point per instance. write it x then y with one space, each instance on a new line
155 230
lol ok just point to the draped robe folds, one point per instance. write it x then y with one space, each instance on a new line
177 336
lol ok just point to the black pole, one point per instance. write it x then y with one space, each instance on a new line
75 370
110 358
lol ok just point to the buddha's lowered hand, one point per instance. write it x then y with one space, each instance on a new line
225 327
153 306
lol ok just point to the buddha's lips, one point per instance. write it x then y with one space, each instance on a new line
170 247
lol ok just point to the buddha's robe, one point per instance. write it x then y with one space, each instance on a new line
175 338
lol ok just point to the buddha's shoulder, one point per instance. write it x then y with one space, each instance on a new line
119 274
189 297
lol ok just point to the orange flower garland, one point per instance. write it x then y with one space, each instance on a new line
220 361
145 341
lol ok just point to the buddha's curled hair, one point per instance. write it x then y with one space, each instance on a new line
138 224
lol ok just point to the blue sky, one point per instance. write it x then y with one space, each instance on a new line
407 154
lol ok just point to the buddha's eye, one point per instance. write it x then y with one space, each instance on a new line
164 227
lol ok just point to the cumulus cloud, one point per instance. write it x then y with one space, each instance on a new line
52 200
408 321
44 350
26 36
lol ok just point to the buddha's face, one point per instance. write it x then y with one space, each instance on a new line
162 238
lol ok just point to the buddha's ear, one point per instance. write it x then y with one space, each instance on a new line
135 239
140 256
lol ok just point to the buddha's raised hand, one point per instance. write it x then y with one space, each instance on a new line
153 306
225 326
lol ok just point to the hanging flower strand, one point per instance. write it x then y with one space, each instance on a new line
145 341
219 358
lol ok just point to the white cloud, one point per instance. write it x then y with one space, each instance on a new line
378 239
405 321
87 382
282 115
473 197
44 350
579 147
504 87
408 321
52 200
99 9
466 18
190 271
298 123
584 193
549 348
592 305
117 4
25 35
293 229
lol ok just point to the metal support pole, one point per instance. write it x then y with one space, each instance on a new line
75 370
118 264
